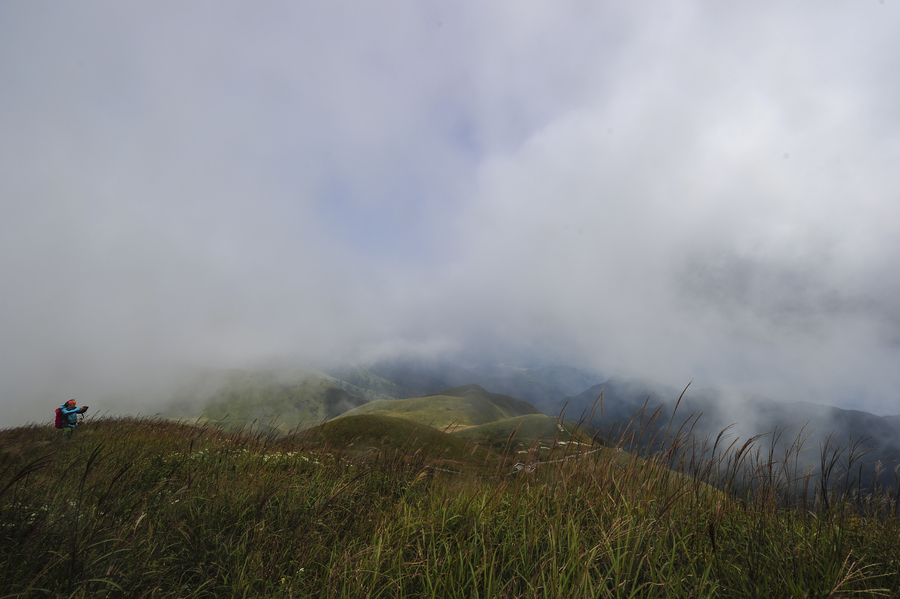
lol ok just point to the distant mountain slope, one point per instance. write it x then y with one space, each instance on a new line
302 396
423 376
464 406
290 398
623 399
540 386
568 379
366 384
519 383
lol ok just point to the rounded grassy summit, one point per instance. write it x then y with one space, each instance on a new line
468 414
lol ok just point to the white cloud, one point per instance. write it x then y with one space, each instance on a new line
679 190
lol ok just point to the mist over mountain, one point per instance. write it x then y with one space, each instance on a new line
707 411
273 399
677 190
540 385
306 396
629 405
703 413
423 376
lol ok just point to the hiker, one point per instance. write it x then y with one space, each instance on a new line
67 415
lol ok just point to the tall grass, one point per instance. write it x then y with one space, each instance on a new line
152 508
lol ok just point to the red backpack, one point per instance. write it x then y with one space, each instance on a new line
61 419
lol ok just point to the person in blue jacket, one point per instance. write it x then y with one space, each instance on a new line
70 412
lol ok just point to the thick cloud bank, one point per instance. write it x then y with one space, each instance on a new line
682 190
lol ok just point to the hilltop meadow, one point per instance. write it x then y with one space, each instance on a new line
372 504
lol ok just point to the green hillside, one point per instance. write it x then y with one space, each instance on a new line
469 405
362 431
277 399
521 431
157 508
366 384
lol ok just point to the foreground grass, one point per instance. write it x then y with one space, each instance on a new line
150 508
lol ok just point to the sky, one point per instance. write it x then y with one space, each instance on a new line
673 190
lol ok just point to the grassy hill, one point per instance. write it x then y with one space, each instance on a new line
155 508
461 406
520 431
462 421
279 399
297 396
453 419
363 431
364 383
